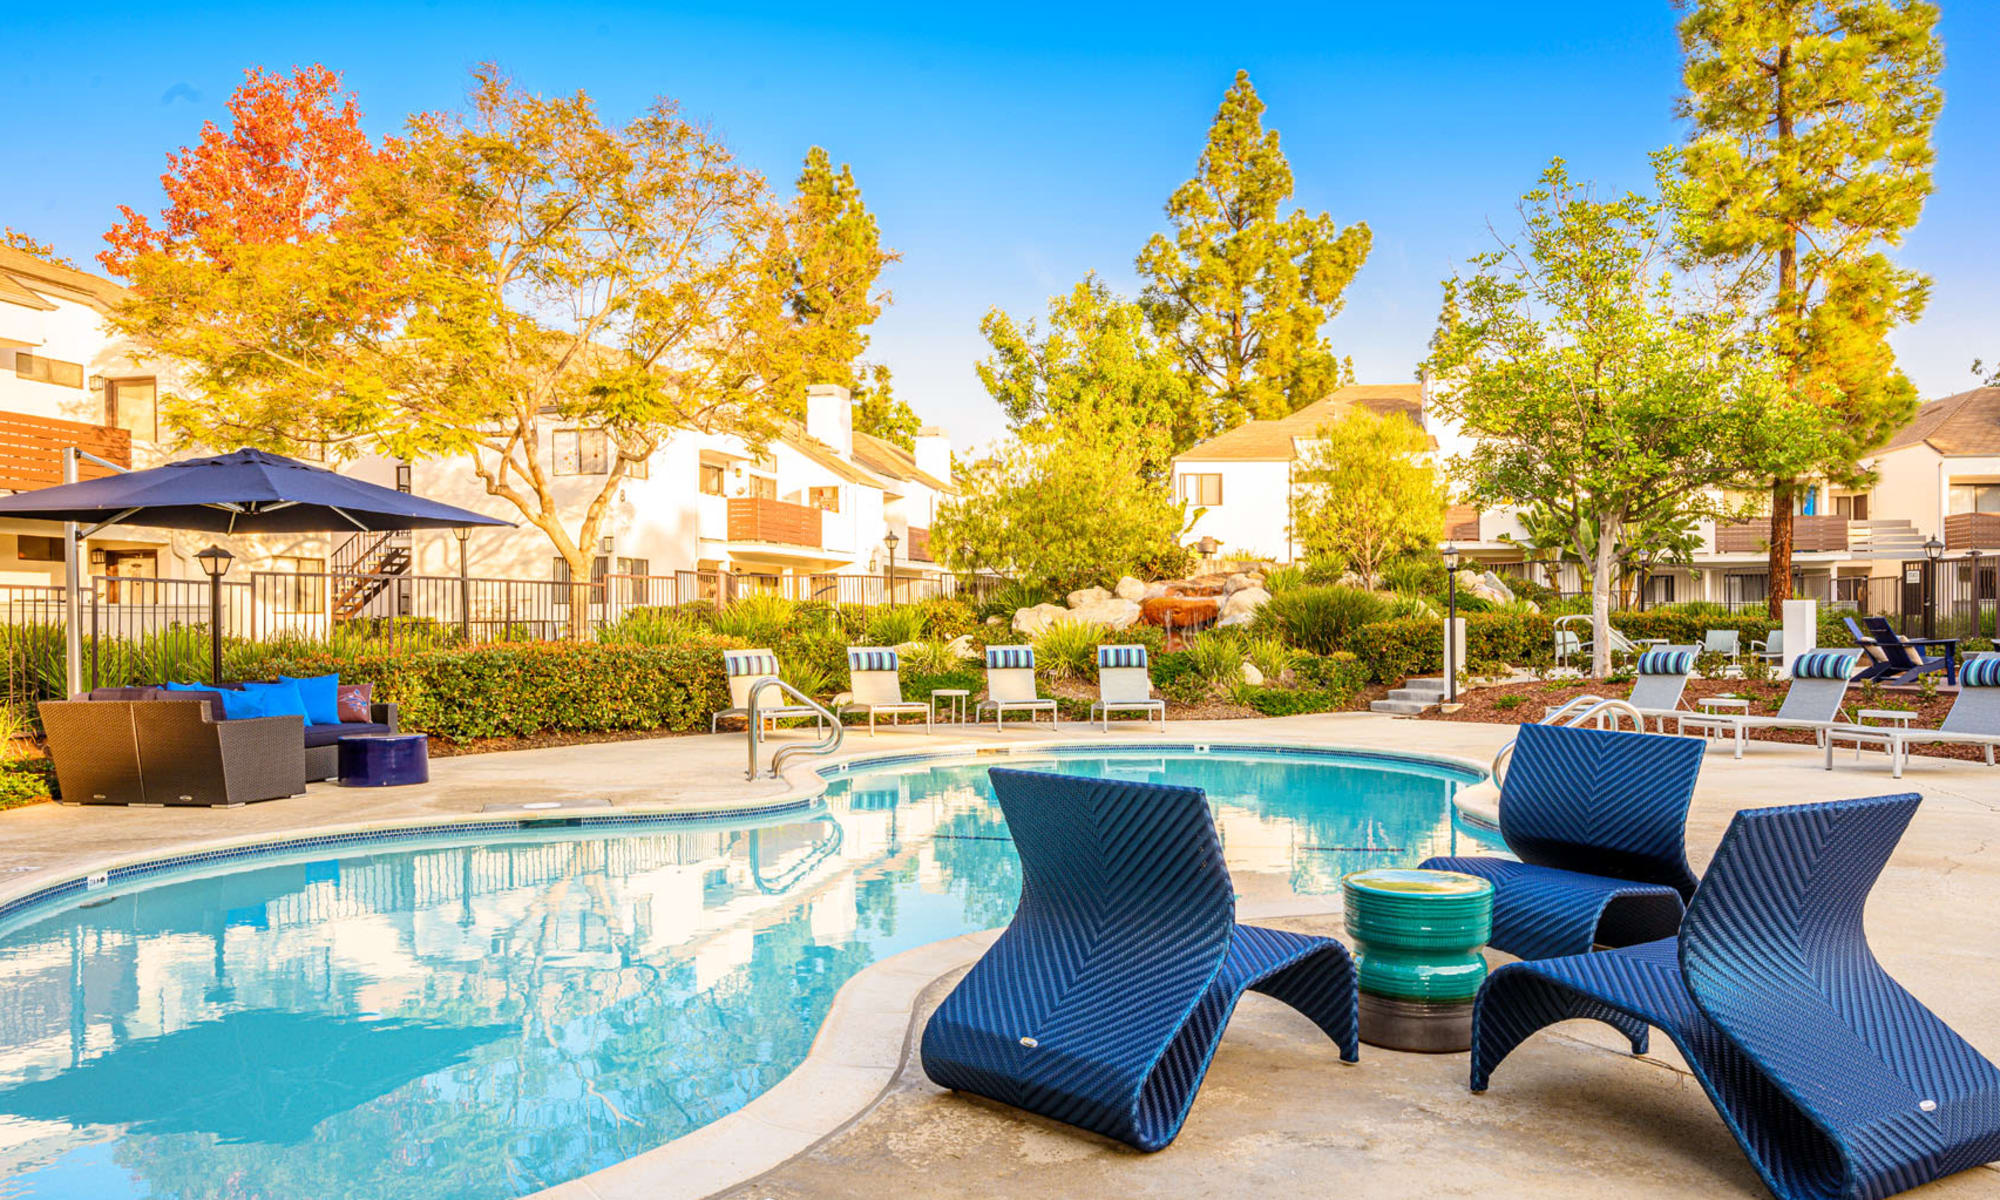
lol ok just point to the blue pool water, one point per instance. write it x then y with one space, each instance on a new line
485 1015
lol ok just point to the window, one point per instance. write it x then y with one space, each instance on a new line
1202 490
1975 498
403 477
635 566
763 487
133 405
40 549
304 591
711 479
582 452
599 567
639 468
39 369
826 498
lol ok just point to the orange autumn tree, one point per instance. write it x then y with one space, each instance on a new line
282 171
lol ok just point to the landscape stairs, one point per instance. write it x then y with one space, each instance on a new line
363 566
1884 539
1413 697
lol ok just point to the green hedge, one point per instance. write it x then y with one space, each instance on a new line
518 690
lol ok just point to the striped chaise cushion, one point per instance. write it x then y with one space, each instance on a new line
1010 658
1825 664
1666 662
871 658
1121 656
738 663
1980 672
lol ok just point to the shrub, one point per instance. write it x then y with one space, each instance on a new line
894 625
1175 674
1319 619
1016 594
1217 658
1270 655
933 657
1420 576
1284 579
1069 650
755 620
1511 700
654 627
1339 674
1288 702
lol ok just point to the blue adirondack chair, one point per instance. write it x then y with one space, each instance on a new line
1598 820
1834 1080
1102 1003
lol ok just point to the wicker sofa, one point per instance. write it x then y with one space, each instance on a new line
147 746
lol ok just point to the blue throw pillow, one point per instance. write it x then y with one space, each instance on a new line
280 699
322 696
239 704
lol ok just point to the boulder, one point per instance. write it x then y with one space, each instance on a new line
962 646
1242 606
1180 611
1497 584
1252 676
1130 589
1089 595
1031 621
1155 590
1350 579
1113 613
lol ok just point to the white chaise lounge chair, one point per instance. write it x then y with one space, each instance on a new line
1656 693
1974 720
746 669
1125 684
875 684
1010 686
1813 701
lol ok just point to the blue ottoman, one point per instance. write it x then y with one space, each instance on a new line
385 759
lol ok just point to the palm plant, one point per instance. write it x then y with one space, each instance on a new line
1068 650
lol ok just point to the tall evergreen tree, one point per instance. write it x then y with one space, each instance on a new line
1810 156
835 259
1240 291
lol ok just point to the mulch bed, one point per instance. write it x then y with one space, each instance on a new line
1522 703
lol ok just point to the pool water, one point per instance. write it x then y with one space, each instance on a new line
486 1016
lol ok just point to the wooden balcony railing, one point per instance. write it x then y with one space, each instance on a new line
31 450
754 519
920 544
1972 531
1461 523
1809 534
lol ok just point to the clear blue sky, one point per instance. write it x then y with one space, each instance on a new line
1009 149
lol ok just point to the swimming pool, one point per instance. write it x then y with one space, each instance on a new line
483 1013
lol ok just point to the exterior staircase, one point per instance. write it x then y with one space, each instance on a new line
1413 697
363 566
1884 539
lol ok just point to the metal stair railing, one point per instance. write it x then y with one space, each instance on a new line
827 745
1589 708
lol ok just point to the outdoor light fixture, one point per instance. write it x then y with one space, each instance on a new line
463 533
1933 549
215 564
1208 546
890 540
1450 555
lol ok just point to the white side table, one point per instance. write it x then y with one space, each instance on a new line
955 700
1720 706
1900 717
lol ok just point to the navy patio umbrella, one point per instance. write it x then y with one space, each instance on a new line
250 491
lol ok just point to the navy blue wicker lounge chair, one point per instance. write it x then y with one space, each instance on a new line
1834 1080
1102 1003
1598 820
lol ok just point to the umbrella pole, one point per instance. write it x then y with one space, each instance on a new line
72 591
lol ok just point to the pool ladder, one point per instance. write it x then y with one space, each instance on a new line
1605 712
826 745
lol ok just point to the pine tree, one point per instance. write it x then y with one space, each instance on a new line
1810 157
1241 292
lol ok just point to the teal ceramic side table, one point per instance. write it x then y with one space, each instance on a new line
1417 937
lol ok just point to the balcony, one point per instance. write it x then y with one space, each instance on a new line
755 519
31 450
1972 531
1809 535
1461 523
920 544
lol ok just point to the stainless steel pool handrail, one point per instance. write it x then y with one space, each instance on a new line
828 745
1599 708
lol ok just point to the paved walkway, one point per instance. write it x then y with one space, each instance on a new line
1568 1115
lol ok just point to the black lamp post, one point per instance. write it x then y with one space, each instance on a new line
1451 623
463 533
215 564
1933 550
892 541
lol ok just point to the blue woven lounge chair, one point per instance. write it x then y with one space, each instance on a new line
1834 1080
1598 820
1102 1003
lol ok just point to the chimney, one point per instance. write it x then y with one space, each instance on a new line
830 417
933 452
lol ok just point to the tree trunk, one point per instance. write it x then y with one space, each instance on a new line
580 594
1600 599
1779 565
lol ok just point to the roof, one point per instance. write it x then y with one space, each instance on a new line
1965 424
1273 440
823 454
887 458
21 272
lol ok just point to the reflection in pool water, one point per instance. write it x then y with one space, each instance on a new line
483 1018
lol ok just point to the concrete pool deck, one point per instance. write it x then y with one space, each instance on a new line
1568 1115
